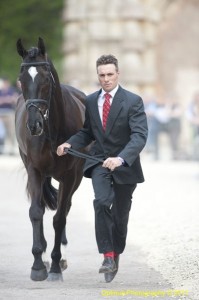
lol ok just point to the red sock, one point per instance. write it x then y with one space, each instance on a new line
109 254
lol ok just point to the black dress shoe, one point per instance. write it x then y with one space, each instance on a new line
110 276
108 265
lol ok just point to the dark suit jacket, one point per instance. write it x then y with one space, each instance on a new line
125 135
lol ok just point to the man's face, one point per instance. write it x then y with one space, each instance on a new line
108 77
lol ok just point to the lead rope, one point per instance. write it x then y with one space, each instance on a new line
82 155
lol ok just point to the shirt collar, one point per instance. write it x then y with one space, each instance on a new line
112 93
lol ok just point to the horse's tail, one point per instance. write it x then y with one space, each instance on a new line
49 194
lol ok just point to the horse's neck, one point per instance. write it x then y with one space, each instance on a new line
57 108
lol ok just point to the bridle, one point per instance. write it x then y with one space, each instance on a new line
36 102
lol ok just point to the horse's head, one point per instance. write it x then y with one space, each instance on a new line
36 83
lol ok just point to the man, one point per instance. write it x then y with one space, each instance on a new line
118 137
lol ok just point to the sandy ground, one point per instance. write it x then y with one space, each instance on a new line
161 255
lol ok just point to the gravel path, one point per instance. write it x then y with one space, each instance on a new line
165 222
162 247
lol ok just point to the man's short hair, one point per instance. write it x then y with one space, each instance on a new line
107 59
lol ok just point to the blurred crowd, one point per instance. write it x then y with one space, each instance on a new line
8 99
179 123
167 117
192 115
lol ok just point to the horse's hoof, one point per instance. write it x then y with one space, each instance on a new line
38 275
63 264
55 277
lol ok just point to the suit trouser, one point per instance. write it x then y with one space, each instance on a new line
112 205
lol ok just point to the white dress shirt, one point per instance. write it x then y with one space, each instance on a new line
101 99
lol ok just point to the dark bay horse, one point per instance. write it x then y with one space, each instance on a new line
47 114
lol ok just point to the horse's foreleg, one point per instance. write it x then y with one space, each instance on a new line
66 190
38 271
64 242
36 212
59 222
63 237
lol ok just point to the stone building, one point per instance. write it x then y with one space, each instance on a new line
156 42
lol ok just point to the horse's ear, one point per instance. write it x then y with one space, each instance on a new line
41 46
20 48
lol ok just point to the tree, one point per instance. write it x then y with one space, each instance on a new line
28 19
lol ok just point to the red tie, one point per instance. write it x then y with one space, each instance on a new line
106 109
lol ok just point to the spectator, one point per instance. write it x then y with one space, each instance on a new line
150 108
2 136
161 120
8 98
163 115
192 114
174 126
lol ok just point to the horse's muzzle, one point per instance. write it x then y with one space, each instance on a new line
35 129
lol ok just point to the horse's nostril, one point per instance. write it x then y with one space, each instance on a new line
38 125
35 129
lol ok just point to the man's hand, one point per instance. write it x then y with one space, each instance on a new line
112 163
60 149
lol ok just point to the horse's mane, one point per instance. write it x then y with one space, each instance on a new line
53 70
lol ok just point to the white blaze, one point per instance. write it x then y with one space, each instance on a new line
33 72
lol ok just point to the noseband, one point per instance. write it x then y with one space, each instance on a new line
36 102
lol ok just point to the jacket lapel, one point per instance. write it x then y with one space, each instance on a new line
95 110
